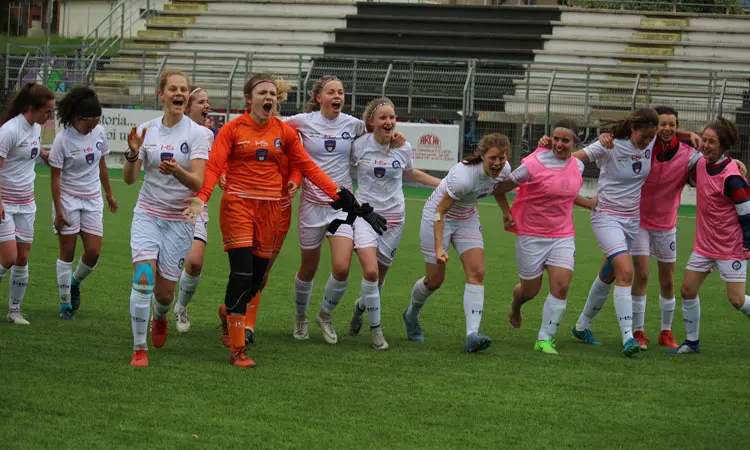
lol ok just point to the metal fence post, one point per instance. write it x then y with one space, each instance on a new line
304 84
648 88
385 80
635 92
7 64
297 100
231 87
195 62
122 24
143 74
586 100
464 114
158 75
721 97
354 86
549 102
411 86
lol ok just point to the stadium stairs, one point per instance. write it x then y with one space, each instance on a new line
274 32
401 44
680 50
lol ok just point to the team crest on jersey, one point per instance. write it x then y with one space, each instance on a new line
277 142
379 172
34 152
648 154
637 166
184 148
90 159
99 145
261 154
396 165
736 265
330 145
346 135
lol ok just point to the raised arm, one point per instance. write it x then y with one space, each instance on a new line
133 159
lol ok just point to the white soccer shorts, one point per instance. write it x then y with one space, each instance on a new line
166 241
18 223
313 221
533 253
730 270
463 234
614 234
84 214
661 245
201 228
387 244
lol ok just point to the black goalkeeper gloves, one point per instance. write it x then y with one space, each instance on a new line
349 204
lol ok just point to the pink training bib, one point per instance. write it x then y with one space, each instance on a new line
544 204
662 191
718 233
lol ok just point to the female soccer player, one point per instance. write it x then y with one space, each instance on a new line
616 218
20 145
174 150
197 110
722 232
250 146
550 182
380 170
78 168
327 136
450 216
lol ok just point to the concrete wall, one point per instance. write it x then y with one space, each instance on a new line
80 17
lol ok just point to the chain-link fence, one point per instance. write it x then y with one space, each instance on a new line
521 100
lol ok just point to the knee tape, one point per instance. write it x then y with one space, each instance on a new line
607 270
239 290
141 270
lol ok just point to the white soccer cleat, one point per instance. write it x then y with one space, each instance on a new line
326 326
17 319
182 320
378 341
300 329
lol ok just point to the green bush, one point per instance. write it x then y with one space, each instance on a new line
694 6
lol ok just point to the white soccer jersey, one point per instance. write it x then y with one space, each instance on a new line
162 195
548 159
465 184
20 145
329 144
380 176
623 171
78 156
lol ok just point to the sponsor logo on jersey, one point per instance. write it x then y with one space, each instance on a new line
23 145
277 142
167 147
635 158
736 265
242 143
346 135
184 148
34 152
379 162
429 140
637 166
648 154
261 154
396 165
261 143
379 172
90 159
330 145
88 149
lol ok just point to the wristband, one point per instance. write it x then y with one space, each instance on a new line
437 217
134 159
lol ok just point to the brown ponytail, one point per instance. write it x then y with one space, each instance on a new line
641 118
493 140
31 95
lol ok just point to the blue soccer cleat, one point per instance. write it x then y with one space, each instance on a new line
687 347
585 336
476 342
631 348
413 330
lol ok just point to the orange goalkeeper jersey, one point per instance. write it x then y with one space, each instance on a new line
253 157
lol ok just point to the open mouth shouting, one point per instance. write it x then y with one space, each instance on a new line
268 107
178 102
336 105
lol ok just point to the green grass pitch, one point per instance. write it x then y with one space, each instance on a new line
69 385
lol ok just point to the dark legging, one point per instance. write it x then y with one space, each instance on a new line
246 272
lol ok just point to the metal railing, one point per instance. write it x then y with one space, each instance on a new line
112 31
521 99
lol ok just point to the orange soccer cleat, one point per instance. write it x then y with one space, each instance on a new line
238 358
641 339
666 339
140 358
159 332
